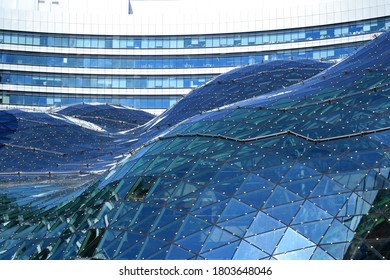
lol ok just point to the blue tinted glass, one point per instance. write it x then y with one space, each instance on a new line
263 223
266 241
291 241
246 251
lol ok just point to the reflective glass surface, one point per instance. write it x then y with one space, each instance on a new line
295 172
197 41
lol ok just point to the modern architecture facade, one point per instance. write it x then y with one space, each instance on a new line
149 54
296 173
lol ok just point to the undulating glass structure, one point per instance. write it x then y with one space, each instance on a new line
91 137
298 172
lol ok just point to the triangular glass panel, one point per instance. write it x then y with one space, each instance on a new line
302 254
385 161
198 142
151 246
246 151
183 189
328 186
191 225
337 232
109 243
176 253
271 159
253 183
123 186
370 182
284 213
160 255
368 196
248 252
322 165
248 163
144 224
202 178
298 171
349 179
223 253
177 166
345 165
181 170
315 231
193 242
291 141
159 164
165 217
186 203
169 231
274 174
336 250
354 206
351 223
203 164
217 238
310 212
320 254
128 239
255 198
235 209
122 210
208 197
222 151
302 187
228 187
263 223
228 171
281 196
238 226
370 158
124 221
132 252
332 203
162 184
176 145
212 212
266 241
161 197
291 241
141 165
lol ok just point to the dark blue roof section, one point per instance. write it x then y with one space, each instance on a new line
77 139
8 126
113 118
234 86
241 84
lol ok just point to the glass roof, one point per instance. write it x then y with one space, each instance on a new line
298 171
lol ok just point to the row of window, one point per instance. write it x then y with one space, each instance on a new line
173 62
204 41
106 81
48 99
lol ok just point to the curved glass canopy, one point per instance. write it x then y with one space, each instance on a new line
296 172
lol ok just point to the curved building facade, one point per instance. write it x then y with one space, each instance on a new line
149 54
